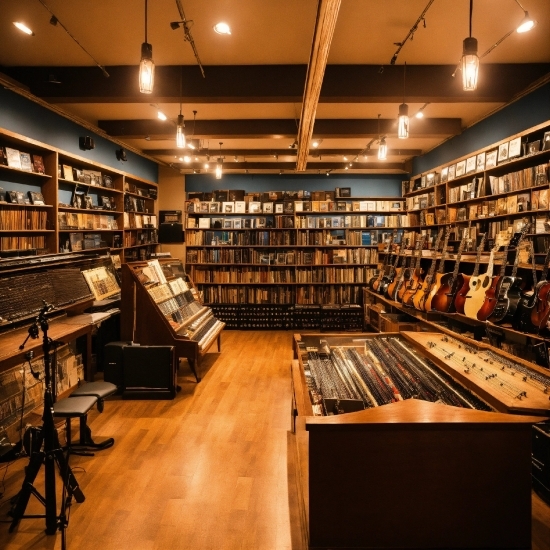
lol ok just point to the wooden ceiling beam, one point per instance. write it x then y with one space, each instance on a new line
277 83
279 128
291 166
327 14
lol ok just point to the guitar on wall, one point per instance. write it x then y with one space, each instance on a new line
427 305
462 294
390 275
508 290
478 287
374 283
491 294
415 280
528 301
399 272
443 299
405 276
541 311
420 295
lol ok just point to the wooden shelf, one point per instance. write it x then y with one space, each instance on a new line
26 172
16 205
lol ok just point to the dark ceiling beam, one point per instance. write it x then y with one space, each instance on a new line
277 83
252 153
278 128
291 166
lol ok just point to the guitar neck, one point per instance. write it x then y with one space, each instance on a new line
478 257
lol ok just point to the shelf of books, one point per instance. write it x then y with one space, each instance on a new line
286 248
52 201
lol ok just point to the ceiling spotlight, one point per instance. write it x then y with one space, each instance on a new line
146 64
52 79
345 158
175 25
191 145
346 168
316 143
54 21
328 173
181 158
276 156
196 158
526 24
222 28
294 144
206 165
280 172
121 154
187 159
236 158
161 115
147 137
22 27
420 113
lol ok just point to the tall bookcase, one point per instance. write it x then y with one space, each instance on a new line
297 252
85 205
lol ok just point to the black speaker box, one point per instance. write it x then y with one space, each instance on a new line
149 372
170 233
112 363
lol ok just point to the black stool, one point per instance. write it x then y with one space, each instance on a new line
78 407
100 390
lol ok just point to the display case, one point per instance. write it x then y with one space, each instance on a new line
391 431
160 306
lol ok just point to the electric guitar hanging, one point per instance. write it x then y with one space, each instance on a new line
508 291
443 299
389 276
528 301
541 311
420 295
461 295
491 294
405 276
415 280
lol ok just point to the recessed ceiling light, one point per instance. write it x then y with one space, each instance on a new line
161 115
222 28
23 27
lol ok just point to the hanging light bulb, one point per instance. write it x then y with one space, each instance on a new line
180 134
403 118
146 65
470 59
382 149
219 165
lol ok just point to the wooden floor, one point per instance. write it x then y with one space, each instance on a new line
213 469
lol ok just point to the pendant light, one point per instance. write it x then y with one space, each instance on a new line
403 118
382 146
180 134
219 165
526 23
470 59
146 65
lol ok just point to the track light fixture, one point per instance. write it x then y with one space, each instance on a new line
526 23
293 145
187 36
420 113
161 115
219 164
470 59
403 118
146 65
23 28
316 142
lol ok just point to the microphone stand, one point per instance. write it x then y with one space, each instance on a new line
46 451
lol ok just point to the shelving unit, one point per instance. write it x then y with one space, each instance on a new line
298 255
84 205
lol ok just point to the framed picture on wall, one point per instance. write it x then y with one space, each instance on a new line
480 162
546 141
503 152
470 165
452 172
514 148
460 168
491 159
278 208
444 174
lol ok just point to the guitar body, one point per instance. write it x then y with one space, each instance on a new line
476 295
444 297
392 287
415 283
400 292
374 283
508 295
428 306
386 281
460 298
419 297
490 301
541 311
522 319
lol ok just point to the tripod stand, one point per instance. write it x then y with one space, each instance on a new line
46 450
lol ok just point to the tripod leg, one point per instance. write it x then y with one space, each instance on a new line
70 482
51 497
18 509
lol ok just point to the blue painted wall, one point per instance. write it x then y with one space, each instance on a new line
19 114
526 112
362 185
